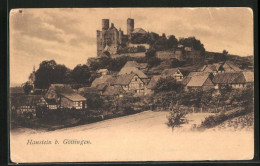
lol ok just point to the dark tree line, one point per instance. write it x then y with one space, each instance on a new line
50 72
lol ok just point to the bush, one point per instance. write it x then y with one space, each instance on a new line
215 120
168 84
176 117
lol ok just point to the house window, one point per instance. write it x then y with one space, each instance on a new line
135 78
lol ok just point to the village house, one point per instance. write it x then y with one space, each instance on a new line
177 73
220 68
229 66
114 91
129 70
235 80
141 66
131 83
149 89
197 73
51 104
63 96
214 68
199 80
25 104
130 67
102 82
88 90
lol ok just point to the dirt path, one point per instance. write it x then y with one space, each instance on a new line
139 137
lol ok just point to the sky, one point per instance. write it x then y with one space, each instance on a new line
68 36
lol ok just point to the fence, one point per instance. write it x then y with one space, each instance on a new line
197 109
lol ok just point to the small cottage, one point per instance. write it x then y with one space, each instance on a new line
24 104
102 82
220 68
152 84
131 83
177 73
129 70
234 80
199 80
63 96
115 91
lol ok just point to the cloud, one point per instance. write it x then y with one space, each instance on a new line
29 25
82 41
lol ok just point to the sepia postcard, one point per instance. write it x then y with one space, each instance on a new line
131 84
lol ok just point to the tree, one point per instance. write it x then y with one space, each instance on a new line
168 84
27 87
176 117
220 57
225 52
154 61
160 44
172 42
81 74
194 43
50 72
61 74
150 53
175 63
152 37
94 102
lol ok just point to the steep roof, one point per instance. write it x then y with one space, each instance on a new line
229 78
106 79
131 64
197 81
64 90
153 81
230 67
56 89
113 90
169 72
139 30
143 65
73 96
129 70
211 67
185 80
249 76
192 74
86 90
124 79
172 71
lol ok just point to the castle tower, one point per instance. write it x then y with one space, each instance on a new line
120 35
105 24
32 77
130 26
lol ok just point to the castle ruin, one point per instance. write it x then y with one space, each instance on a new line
111 40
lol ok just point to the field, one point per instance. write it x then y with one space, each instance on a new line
139 137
